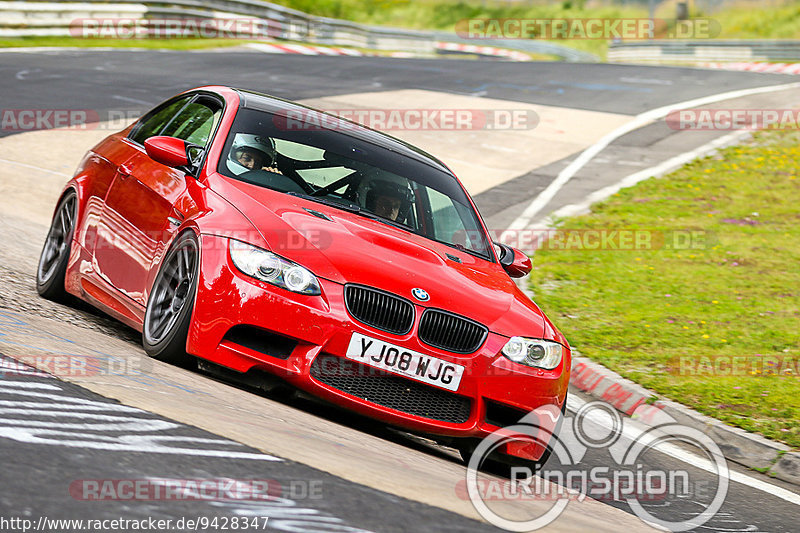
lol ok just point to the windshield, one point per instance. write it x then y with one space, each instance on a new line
340 170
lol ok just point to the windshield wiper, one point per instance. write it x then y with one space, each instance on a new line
351 207
372 216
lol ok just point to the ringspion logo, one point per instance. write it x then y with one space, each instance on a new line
627 476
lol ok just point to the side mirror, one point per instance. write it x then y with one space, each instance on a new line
514 262
167 151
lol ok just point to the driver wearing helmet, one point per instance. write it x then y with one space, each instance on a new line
388 199
252 152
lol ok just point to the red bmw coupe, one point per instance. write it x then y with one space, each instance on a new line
268 238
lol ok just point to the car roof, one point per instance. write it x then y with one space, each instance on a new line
272 104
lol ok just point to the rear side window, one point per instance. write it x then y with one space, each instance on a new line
155 121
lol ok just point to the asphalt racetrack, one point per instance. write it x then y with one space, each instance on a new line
68 444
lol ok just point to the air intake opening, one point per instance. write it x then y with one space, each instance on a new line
261 341
502 415
389 390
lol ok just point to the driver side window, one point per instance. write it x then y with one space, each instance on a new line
155 121
193 124
192 121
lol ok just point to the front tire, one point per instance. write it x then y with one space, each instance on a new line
52 269
169 307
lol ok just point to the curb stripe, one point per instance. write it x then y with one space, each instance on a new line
773 68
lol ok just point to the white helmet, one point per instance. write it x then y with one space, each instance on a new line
261 145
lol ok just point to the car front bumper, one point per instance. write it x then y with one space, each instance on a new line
244 324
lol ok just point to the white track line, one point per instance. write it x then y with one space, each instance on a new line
523 221
543 226
629 431
27 385
40 169
657 170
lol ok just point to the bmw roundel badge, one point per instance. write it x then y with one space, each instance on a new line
420 294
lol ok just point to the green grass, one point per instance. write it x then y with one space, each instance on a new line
735 293
747 20
154 44
770 21
736 22
445 14
744 22
419 14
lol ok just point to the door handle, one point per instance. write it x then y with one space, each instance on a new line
125 171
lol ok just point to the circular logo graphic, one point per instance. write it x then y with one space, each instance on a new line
621 473
420 294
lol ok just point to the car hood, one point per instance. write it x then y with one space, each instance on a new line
345 247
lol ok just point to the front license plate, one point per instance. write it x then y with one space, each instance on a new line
405 362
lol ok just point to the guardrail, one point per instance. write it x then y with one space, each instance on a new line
698 52
56 18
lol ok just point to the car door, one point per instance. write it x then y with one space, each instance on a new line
145 203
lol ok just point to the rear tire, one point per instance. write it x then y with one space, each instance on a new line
169 306
52 268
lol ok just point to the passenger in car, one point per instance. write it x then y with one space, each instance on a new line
388 199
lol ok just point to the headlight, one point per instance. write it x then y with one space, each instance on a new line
273 269
533 352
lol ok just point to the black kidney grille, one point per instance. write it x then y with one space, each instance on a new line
388 390
379 309
451 332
